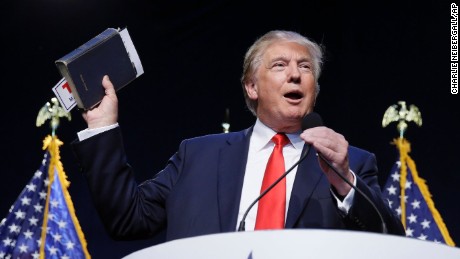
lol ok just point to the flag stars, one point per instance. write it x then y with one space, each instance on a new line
425 224
395 176
391 190
38 208
415 204
46 181
410 203
42 195
399 211
62 224
7 242
422 237
31 187
42 200
38 174
54 203
409 232
14 228
408 185
20 214
390 203
33 221
25 201
28 234
69 245
53 250
412 218
23 248
57 237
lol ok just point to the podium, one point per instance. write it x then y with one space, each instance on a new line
302 243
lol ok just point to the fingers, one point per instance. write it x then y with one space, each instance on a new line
332 145
334 148
324 138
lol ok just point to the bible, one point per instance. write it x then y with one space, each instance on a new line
111 53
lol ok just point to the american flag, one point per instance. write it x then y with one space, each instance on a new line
44 204
418 213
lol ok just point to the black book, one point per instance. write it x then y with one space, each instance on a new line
110 53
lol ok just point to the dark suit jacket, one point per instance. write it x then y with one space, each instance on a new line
199 190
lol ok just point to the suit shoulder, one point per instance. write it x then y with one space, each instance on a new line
219 138
356 153
359 151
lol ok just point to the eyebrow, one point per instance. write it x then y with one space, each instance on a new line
282 57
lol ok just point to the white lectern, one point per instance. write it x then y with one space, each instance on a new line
303 244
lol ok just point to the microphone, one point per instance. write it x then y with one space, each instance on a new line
319 122
309 121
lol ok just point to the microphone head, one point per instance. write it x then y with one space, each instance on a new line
311 120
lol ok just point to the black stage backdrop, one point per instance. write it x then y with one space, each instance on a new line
376 55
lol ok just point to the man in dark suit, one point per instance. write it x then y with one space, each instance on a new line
209 183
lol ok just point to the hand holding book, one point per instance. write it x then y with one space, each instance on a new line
110 53
106 113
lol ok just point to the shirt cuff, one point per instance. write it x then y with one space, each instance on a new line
87 133
345 204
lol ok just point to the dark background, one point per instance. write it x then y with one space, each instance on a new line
192 53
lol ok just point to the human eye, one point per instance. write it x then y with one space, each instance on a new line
306 66
278 65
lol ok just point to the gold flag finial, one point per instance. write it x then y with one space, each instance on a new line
402 116
52 111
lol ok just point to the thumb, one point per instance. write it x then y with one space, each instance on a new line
108 86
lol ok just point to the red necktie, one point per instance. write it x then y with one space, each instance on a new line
272 207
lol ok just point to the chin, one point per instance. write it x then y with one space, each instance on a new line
295 115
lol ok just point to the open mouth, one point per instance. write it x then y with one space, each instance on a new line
294 95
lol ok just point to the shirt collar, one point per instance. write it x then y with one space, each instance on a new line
262 135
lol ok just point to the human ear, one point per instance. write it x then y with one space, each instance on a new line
251 90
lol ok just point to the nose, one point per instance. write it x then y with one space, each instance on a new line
293 73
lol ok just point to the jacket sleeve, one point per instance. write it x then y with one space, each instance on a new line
127 210
373 214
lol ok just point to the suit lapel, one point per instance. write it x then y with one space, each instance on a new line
232 164
307 178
